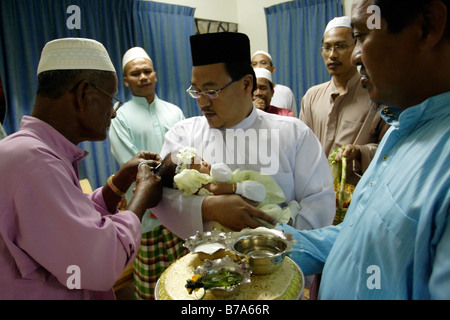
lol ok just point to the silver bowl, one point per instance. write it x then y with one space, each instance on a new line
265 252
213 267
207 245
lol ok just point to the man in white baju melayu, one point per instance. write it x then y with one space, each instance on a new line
233 131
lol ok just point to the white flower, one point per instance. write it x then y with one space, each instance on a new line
185 156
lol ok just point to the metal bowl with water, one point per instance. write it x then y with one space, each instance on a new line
264 252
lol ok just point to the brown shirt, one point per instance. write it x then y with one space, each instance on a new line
341 119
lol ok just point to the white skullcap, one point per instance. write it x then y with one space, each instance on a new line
339 22
263 73
134 53
262 52
74 54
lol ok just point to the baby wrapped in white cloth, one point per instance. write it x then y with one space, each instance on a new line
193 175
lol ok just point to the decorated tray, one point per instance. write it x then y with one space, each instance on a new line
286 283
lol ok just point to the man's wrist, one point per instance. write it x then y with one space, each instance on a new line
207 214
114 188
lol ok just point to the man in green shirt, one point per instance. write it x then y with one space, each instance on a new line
141 124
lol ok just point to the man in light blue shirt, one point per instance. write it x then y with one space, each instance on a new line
141 124
395 240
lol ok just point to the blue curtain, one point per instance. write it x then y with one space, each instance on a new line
163 30
295 32
165 36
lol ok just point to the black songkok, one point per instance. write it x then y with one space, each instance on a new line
220 47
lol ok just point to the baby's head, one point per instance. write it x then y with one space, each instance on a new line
167 171
177 161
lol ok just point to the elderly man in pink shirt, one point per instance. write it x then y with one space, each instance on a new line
55 241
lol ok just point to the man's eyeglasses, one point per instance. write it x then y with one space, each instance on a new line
212 94
119 102
339 48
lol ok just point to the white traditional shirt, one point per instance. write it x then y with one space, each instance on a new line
282 147
284 98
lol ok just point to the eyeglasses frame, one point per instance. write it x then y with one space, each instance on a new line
210 92
340 48
110 95
120 102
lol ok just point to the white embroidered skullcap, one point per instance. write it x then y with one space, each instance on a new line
263 73
262 52
74 54
338 22
134 53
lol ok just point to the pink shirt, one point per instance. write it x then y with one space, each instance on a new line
48 225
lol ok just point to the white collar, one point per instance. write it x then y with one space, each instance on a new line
247 122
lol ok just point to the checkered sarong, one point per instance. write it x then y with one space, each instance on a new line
159 249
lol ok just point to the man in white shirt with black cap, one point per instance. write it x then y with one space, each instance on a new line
234 132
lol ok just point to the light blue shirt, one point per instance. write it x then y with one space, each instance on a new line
142 126
395 240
